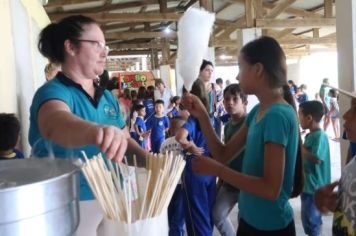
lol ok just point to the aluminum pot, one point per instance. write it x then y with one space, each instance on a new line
39 197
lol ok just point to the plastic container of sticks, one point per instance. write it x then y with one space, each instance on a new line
134 200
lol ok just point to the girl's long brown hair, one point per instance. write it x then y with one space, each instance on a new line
268 52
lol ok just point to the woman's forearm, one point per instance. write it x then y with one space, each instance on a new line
66 129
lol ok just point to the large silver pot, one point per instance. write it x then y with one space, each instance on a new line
39 197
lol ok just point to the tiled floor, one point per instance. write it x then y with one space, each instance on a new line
327 220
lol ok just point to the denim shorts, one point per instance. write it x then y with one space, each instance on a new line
311 217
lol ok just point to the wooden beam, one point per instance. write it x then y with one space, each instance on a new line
280 34
120 25
118 46
294 11
279 8
224 43
323 40
60 3
108 7
315 32
207 5
328 8
162 6
249 13
129 52
124 17
294 23
134 35
258 5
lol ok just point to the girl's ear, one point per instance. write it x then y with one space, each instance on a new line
259 69
69 47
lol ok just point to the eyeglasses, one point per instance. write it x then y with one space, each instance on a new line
99 45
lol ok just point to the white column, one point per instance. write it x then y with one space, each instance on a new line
165 72
144 63
346 36
8 102
245 36
137 66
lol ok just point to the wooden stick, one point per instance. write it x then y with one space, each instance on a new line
145 196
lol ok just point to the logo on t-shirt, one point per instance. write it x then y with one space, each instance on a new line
160 123
110 112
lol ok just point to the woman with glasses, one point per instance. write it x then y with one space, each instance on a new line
72 113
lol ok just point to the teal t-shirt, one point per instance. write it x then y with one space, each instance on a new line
279 125
316 175
230 129
103 110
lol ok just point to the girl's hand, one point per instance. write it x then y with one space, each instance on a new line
192 148
206 166
197 151
325 198
147 133
112 141
193 104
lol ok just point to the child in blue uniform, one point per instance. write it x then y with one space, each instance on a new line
200 191
175 102
176 214
149 102
140 126
316 164
9 134
158 125
271 170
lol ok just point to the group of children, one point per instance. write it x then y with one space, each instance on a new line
261 164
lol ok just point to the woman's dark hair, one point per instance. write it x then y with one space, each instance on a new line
175 99
268 52
9 131
235 89
141 94
133 94
127 93
52 37
198 89
298 171
150 92
204 64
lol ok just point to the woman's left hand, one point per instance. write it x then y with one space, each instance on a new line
206 166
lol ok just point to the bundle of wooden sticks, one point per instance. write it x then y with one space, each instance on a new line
117 189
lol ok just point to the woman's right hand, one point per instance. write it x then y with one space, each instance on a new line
112 141
193 104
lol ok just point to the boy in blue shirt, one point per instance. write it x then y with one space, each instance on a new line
158 125
316 164
140 126
9 134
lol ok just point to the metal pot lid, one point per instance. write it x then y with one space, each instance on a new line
20 172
